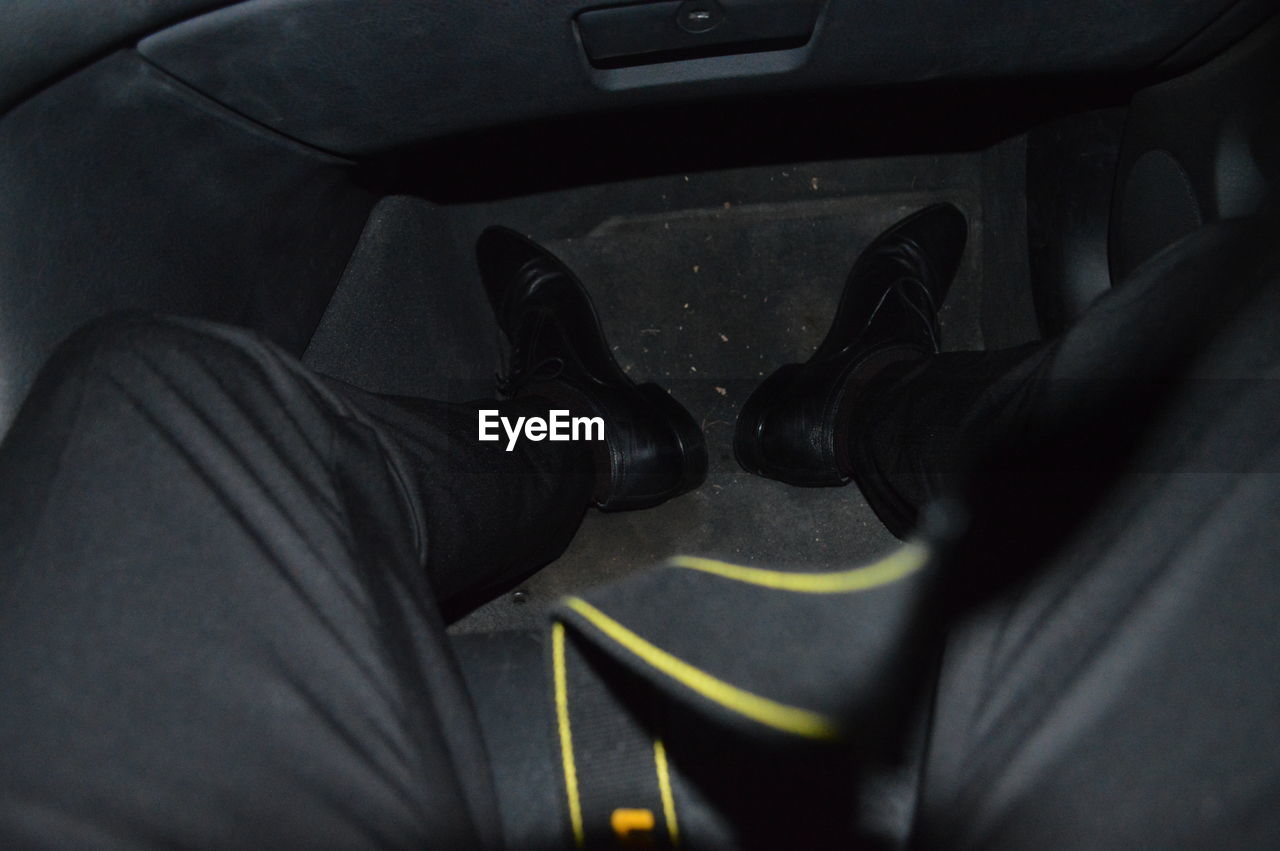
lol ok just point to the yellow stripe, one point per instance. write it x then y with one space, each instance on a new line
566 738
664 787
906 561
788 719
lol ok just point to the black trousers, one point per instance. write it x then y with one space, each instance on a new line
221 583
1108 673
221 591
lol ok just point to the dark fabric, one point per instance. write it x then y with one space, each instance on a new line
218 598
42 41
347 77
1077 405
836 652
219 629
775 700
1103 576
125 190
614 761
1108 680
509 682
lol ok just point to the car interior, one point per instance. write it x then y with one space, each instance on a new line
319 171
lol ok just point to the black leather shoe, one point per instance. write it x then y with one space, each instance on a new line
654 448
888 313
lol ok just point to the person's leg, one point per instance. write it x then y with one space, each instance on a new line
219 627
793 425
1069 406
653 450
489 516
1118 689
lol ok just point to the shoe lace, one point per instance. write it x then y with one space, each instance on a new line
898 288
510 379
929 319
547 369
910 254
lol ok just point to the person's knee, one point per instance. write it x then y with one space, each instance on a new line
133 349
102 358
118 334
122 341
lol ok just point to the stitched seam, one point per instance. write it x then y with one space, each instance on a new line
902 563
566 733
770 713
664 789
